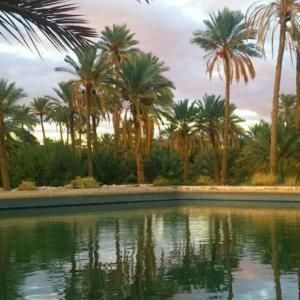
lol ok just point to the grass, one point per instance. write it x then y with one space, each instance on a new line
84 183
27 186
262 179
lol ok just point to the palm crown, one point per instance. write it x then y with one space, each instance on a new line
267 15
226 36
117 43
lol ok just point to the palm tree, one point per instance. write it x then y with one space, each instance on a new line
143 84
9 95
55 19
41 107
64 96
297 114
209 120
295 35
60 115
182 118
287 107
267 16
25 118
117 44
227 40
92 75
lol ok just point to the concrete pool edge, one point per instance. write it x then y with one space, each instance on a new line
123 195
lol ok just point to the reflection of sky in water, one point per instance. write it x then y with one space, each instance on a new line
40 285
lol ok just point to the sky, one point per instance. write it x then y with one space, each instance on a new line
165 27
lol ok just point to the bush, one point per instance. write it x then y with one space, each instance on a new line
84 183
163 181
111 167
163 162
263 179
53 164
27 186
291 181
204 180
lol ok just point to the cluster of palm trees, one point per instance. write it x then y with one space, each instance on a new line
113 80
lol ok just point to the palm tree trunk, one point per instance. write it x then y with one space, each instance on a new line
95 137
226 121
43 129
273 154
68 134
297 121
3 154
61 132
138 150
88 133
215 158
72 130
185 160
149 130
116 123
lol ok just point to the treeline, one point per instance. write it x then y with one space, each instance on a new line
115 81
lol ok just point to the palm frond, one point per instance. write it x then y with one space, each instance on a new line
22 20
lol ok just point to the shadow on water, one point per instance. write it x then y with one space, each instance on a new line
168 251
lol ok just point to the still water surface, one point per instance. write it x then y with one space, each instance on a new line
176 252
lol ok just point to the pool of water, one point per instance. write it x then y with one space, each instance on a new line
164 252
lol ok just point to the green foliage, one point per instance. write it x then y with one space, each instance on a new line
162 181
254 156
27 186
165 162
204 180
53 164
263 179
84 183
111 167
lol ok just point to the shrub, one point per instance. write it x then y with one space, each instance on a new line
263 179
291 181
112 167
163 181
163 162
53 164
204 180
84 183
27 186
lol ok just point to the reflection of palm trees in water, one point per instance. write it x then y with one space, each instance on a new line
145 265
228 256
275 265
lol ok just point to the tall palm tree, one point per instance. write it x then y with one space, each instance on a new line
142 83
9 95
117 44
227 40
92 74
64 96
40 107
55 19
267 16
297 114
182 118
209 120
60 115
295 35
